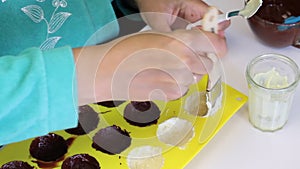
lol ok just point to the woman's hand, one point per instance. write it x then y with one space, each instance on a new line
163 14
145 66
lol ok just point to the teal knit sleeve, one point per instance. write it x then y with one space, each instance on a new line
38 93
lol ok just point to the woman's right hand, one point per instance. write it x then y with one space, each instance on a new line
145 65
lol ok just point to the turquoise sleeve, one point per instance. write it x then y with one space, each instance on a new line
38 93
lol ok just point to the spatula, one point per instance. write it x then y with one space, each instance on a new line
249 10
214 85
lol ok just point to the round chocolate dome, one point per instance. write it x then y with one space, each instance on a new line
48 148
141 113
16 165
80 161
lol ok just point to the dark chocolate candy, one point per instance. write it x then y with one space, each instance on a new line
16 165
141 113
47 148
110 104
80 161
111 140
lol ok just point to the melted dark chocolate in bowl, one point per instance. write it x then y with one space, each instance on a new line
278 10
267 23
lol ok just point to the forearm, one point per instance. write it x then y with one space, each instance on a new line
87 62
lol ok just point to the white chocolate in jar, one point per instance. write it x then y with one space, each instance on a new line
269 111
271 79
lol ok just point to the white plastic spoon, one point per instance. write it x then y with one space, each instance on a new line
249 10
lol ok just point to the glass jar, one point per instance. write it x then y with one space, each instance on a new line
272 80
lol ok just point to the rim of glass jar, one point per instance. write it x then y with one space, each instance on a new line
275 23
282 57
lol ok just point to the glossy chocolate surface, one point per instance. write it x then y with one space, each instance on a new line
80 161
267 23
47 148
141 113
111 140
16 165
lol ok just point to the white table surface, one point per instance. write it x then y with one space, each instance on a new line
239 145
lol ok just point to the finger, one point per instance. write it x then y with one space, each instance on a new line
202 41
159 21
192 10
207 64
158 84
224 25
212 43
219 44
198 77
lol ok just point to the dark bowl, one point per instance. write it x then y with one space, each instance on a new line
269 27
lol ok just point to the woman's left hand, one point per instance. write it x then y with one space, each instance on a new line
161 15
